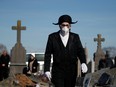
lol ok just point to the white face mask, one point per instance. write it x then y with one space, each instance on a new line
65 30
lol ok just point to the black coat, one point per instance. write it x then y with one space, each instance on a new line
105 63
34 65
4 70
64 58
4 60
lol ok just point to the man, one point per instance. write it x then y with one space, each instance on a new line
4 69
105 62
65 47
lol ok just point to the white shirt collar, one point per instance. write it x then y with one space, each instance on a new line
64 38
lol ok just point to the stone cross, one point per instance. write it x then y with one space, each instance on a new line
99 40
18 28
18 52
99 53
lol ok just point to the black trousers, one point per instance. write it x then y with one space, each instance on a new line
4 73
64 81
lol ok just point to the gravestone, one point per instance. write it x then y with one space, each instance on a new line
86 54
92 78
79 72
18 52
90 67
80 75
99 52
78 68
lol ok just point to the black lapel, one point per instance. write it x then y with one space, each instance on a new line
70 40
59 41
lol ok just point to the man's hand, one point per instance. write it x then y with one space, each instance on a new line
84 67
48 74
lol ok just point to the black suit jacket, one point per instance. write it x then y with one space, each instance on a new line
64 58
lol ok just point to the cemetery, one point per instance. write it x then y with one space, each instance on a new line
90 79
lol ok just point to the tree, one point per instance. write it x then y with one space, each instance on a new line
2 47
112 51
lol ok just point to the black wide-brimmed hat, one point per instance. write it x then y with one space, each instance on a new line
65 18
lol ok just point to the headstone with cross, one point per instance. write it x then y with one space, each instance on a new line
18 28
99 40
18 52
99 52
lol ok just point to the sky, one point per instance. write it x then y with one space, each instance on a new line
93 16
